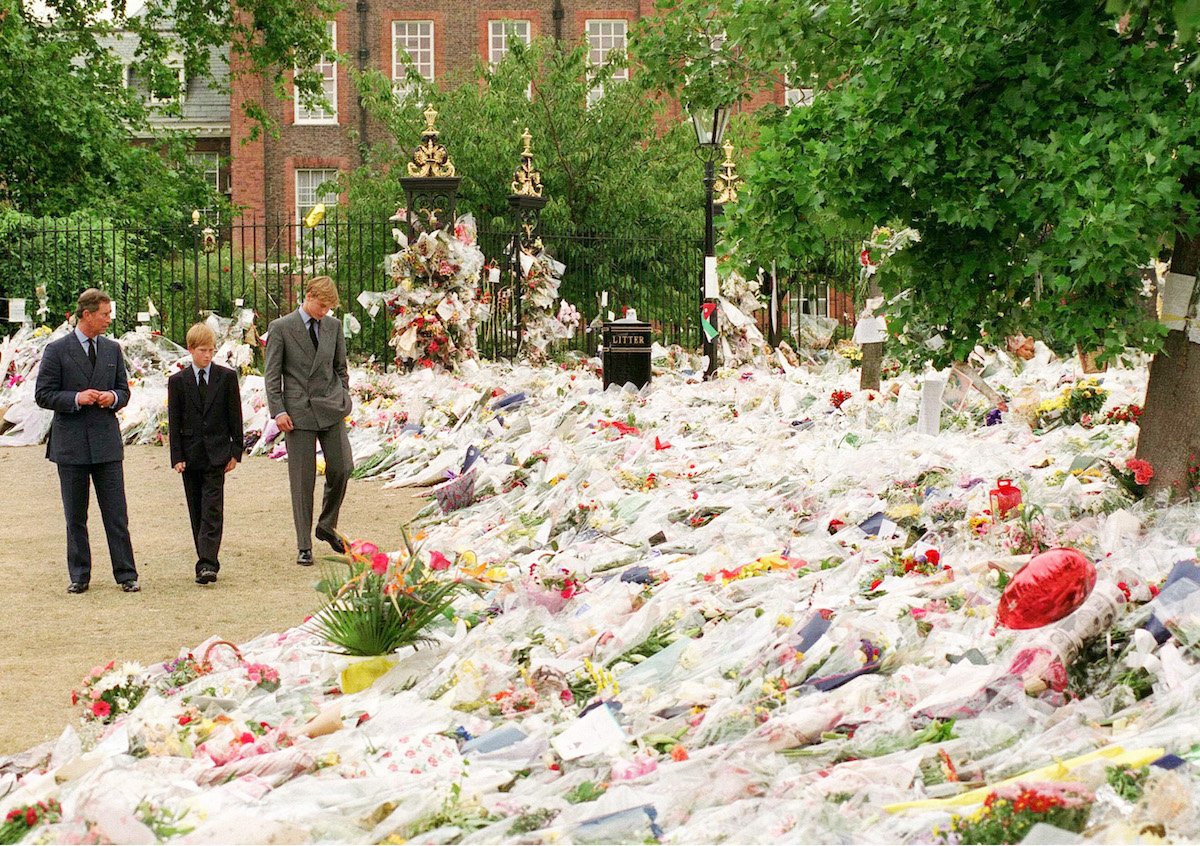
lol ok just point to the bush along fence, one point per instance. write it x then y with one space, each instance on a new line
171 279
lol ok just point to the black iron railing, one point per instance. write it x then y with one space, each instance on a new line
176 277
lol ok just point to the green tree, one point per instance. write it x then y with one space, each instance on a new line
606 167
67 118
618 166
1044 150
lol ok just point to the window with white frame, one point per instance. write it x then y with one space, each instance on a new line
501 33
210 165
309 191
796 96
603 37
133 80
310 112
411 41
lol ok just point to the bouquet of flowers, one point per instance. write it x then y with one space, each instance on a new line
20 821
1007 814
263 676
109 691
1072 405
1133 476
436 305
741 341
377 605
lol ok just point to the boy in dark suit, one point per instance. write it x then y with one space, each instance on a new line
204 411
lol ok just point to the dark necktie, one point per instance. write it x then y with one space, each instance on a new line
312 332
92 351
203 385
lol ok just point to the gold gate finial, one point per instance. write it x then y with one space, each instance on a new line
430 158
527 181
725 186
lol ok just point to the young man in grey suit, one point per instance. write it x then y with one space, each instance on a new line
82 379
308 394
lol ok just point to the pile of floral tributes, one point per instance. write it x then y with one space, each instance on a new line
545 319
436 304
758 609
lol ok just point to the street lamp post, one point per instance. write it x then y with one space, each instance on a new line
710 128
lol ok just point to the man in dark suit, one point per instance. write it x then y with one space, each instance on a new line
308 394
82 379
204 416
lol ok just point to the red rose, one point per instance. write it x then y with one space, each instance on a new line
933 556
30 817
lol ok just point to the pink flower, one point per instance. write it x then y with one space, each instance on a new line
379 563
361 547
437 561
100 708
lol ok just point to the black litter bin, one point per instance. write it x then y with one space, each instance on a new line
626 355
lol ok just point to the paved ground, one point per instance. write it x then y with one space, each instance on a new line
49 639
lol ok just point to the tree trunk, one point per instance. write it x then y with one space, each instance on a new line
1170 424
872 360
872 364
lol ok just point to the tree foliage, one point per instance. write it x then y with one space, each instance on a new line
67 117
605 168
1041 149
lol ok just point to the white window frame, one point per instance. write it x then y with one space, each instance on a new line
210 162
328 174
796 96
151 98
594 31
500 30
318 116
400 86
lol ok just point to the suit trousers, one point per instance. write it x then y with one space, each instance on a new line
302 477
204 487
109 481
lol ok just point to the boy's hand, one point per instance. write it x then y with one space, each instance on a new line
232 463
180 467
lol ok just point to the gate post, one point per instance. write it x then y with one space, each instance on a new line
526 202
431 187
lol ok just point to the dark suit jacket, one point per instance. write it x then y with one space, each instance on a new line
89 434
210 433
312 386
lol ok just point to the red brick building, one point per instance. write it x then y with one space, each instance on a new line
277 177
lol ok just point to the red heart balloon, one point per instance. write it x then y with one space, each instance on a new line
1045 590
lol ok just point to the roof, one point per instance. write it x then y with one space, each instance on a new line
206 100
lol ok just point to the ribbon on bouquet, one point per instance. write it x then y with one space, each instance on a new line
706 314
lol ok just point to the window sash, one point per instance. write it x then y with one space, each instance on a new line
603 37
210 164
307 182
328 70
499 32
414 39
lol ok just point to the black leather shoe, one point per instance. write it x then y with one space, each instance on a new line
78 587
338 545
131 587
304 558
206 577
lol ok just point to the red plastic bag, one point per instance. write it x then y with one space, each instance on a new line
1045 590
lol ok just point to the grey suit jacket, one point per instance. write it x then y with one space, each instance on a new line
91 434
312 386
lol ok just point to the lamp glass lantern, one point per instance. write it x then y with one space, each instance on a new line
710 126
